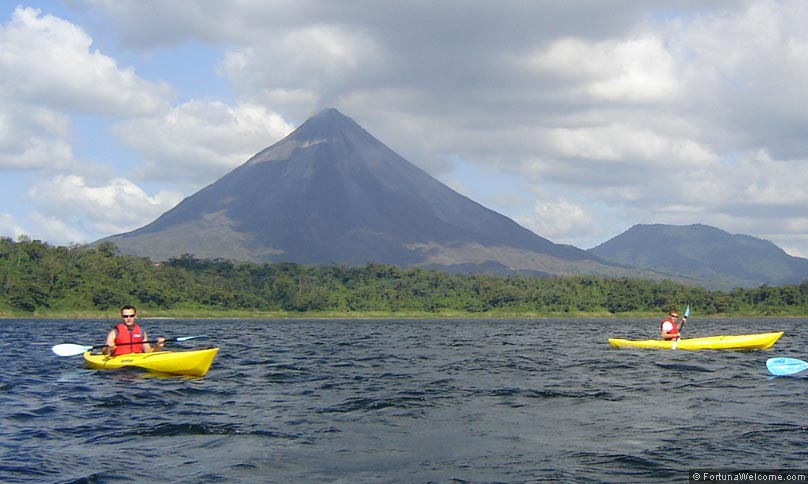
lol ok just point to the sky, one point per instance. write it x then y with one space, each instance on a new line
578 119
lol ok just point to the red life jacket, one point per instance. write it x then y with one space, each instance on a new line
673 322
127 342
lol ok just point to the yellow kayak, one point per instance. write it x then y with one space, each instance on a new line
191 363
729 342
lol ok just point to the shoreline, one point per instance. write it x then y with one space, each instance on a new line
278 315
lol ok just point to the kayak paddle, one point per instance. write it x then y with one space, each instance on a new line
785 366
687 314
70 349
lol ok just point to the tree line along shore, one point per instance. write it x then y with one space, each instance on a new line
41 280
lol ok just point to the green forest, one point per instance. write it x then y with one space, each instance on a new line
40 280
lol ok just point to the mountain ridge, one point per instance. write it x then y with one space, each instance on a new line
704 253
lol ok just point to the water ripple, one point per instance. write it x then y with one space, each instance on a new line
399 401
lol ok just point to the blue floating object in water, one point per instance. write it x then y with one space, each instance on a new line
785 366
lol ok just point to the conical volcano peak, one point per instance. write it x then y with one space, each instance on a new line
328 127
330 115
327 124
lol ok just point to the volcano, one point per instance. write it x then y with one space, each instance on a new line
331 193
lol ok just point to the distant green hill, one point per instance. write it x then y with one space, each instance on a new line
704 255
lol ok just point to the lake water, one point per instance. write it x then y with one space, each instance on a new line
458 401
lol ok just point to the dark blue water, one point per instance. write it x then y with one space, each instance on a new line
401 402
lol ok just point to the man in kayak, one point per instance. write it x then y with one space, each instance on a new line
128 337
668 328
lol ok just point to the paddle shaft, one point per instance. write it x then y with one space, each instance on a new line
70 349
132 343
679 329
165 340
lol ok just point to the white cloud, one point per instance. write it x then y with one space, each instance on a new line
40 227
54 229
558 219
199 141
629 71
316 63
10 227
33 138
211 21
631 143
761 181
115 207
49 61
50 72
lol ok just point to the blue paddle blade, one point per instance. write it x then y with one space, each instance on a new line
785 366
687 311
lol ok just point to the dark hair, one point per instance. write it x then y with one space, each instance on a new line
128 307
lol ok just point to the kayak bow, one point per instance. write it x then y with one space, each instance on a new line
191 363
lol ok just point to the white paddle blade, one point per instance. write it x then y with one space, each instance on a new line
785 366
70 349
186 338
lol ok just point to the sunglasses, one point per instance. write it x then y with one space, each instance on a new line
127 315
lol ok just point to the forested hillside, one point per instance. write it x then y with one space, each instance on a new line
38 279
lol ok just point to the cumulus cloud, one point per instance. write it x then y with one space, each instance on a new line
10 227
50 61
557 218
50 72
621 142
314 64
54 229
114 207
634 70
32 137
199 141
